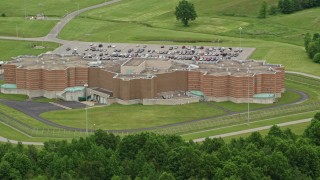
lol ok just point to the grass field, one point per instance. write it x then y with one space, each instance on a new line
12 134
16 10
19 27
23 117
57 8
298 129
16 97
132 116
252 125
15 48
287 97
278 39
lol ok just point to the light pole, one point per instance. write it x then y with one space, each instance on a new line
86 85
218 43
240 29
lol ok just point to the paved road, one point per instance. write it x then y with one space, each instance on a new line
2 139
60 25
253 130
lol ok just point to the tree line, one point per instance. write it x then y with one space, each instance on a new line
286 7
279 155
290 6
312 46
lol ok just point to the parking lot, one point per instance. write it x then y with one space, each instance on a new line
116 51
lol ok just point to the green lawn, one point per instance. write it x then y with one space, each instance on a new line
18 26
255 124
298 129
133 116
287 97
15 10
56 8
12 134
11 48
23 117
16 97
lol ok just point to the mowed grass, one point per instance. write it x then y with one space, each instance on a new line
256 124
10 48
19 27
56 8
21 117
287 97
307 19
15 10
16 97
137 21
298 129
131 117
12 134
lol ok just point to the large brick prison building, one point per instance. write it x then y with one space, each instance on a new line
236 81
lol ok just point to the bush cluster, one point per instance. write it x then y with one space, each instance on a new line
312 46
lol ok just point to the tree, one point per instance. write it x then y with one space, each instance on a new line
307 40
273 10
312 49
263 10
185 12
317 116
316 58
166 176
286 6
312 131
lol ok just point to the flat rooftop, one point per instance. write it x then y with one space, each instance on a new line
49 62
153 66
